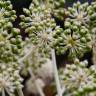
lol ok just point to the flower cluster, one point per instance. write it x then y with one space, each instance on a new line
10 44
56 7
10 39
7 15
10 50
77 79
75 39
10 79
36 53
79 14
39 25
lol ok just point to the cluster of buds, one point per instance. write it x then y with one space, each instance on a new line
77 79
35 53
10 44
10 80
79 14
7 15
39 25
56 7
10 47
75 39
10 39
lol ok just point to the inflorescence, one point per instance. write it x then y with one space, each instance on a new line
32 55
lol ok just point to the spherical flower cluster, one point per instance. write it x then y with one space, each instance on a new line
36 18
77 79
79 14
74 39
39 24
10 80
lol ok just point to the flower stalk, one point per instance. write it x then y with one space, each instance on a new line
59 91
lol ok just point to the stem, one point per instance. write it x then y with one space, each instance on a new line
59 91
36 83
20 92
3 92
94 56
94 50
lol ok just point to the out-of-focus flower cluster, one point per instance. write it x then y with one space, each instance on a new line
77 79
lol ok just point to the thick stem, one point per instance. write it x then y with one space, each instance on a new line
3 92
36 83
59 91
20 92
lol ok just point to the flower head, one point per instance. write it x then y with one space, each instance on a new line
75 39
10 79
36 18
79 13
77 79
39 25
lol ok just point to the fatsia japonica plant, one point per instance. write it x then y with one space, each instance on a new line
35 56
